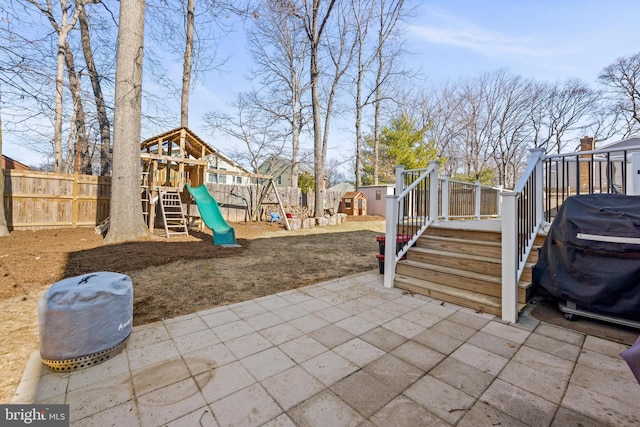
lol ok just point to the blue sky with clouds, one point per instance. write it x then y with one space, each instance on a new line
452 39
546 40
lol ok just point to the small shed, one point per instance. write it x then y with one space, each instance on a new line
353 203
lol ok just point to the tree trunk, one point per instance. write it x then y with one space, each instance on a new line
58 165
359 108
187 64
81 157
318 166
4 230
126 222
376 113
101 109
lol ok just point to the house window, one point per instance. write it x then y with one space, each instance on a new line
238 180
347 203
279 180
378 194
216 178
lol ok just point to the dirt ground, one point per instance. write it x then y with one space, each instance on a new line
171 277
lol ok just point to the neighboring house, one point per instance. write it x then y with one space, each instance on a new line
9 163
279 169
219 162
565 174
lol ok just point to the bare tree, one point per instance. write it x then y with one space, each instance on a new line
315 19
622 86
62 28
80 153
277 45
252 125
187 63
390 13
363 15
101 109
562 109
4 230
126 221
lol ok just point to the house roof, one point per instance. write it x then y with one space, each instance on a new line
194 146
353 195
343 186
9 163
632 142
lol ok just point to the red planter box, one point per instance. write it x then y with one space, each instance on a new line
401 239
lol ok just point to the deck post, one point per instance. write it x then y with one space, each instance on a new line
635 174
509 257
433 191
390 240
539 184
478 199
445 197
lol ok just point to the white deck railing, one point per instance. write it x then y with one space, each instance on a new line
522 217
545 184
417 203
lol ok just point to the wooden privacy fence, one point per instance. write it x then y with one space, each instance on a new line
35 200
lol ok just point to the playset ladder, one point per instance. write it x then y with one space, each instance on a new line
172 213
145 195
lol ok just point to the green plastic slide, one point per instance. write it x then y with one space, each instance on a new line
223 233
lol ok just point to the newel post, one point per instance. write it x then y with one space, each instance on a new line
478 198
433 190
445 197
509 257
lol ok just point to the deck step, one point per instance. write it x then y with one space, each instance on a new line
478 302
469 281
464 246
468 262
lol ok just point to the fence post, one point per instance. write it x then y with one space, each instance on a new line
499 200
478 199
509 257
74 200
635 174
433 190
390 240
445 197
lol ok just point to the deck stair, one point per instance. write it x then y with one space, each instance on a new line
461 266
172 212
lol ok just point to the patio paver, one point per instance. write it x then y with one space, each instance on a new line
347 352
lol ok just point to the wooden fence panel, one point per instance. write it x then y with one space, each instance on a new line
35 200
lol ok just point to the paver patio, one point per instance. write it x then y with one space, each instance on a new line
347 352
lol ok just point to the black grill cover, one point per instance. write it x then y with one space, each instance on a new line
591 255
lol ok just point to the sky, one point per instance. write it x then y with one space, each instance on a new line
447 40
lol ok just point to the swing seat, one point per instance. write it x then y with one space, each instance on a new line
275 217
